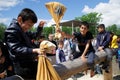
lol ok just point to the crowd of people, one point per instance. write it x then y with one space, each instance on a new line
22 51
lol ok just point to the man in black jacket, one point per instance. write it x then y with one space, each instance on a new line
19 42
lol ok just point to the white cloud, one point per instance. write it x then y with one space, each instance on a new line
50 22
110 11
5 4
4 20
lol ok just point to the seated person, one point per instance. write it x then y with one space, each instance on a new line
6 66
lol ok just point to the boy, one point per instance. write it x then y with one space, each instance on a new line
84 38
19 41
60 55
103 41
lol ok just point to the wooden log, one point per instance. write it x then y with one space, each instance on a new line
68 68
108 76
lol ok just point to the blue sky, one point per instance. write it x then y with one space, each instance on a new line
10 8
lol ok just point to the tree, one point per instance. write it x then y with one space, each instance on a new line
113 28
47 31
67 30
2 30
93 18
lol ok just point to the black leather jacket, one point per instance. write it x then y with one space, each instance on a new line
19 43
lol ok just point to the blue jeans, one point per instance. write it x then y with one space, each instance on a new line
90 58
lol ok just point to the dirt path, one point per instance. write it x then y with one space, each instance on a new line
116 74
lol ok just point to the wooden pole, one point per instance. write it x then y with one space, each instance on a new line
108 76
66 69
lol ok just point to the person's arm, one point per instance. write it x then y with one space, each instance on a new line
16 43
85 50
107 41
37 33
89 37
97 41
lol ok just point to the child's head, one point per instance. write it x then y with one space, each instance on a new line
51 37
84 27
26 19
60 44
101 28
28 14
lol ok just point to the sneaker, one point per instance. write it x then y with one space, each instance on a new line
74 77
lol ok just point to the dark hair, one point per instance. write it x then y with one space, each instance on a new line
101 26
85 23
28 14
60 42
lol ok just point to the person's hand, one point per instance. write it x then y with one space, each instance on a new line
36 50
100 48
3 74
41 24
83 58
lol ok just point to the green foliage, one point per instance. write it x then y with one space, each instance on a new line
33 29
67 30
113 28
51 30
47 31
93 18
2 30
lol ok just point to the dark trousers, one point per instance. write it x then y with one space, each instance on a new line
26 72
109 53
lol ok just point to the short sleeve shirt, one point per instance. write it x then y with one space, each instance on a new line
82 40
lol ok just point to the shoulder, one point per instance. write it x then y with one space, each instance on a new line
115 37
77 34
89 33
57 50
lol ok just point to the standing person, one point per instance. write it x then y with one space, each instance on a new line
84 38
19 41
51 39
103 41
114 43
66 47
52 56
60 55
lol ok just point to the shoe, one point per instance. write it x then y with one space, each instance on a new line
98 69
74 77
92 73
